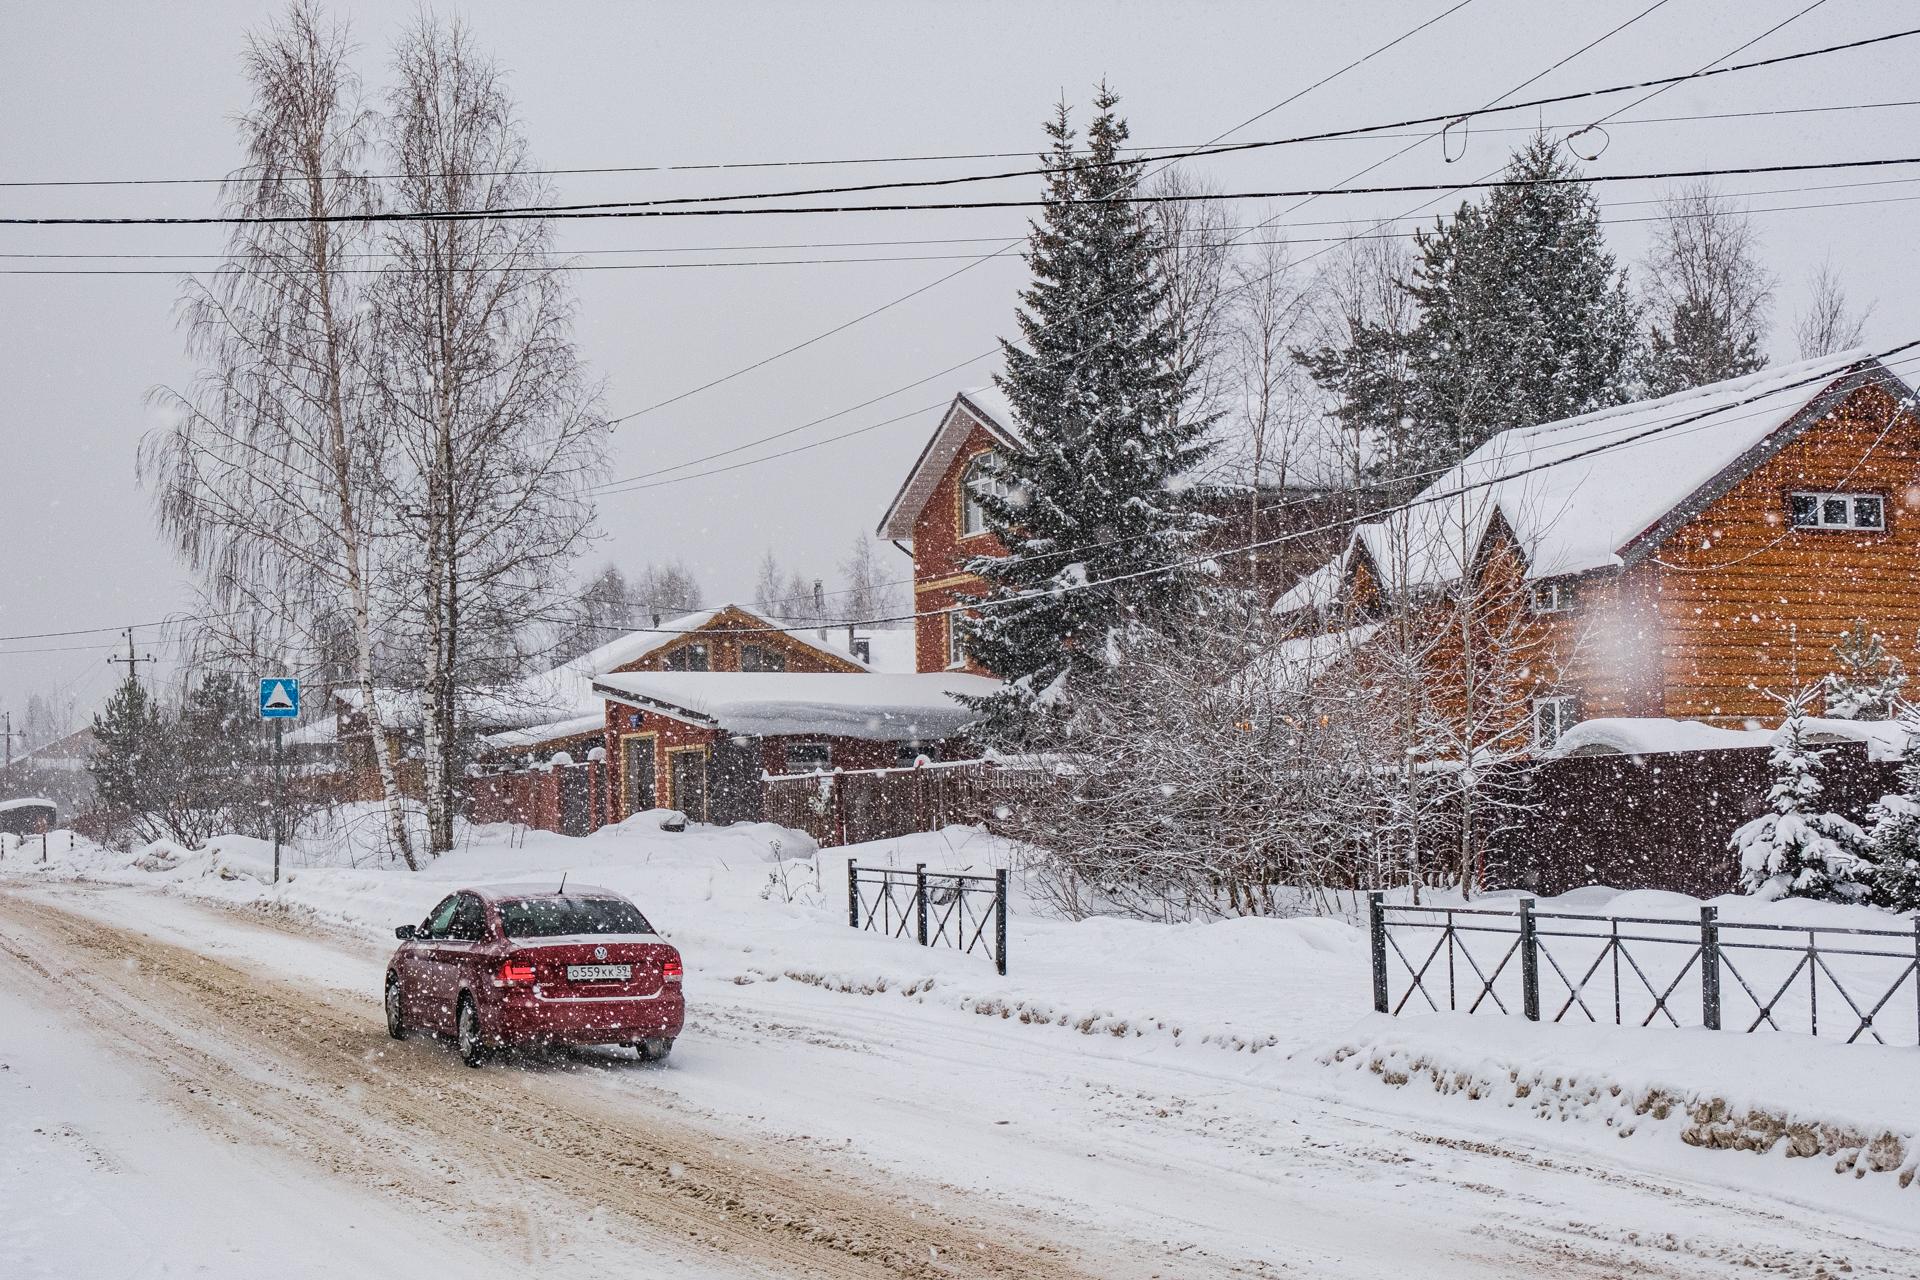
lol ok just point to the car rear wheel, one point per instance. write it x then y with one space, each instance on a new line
473 1048
654 1048
396 1015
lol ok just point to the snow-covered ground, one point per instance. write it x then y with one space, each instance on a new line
1215 1094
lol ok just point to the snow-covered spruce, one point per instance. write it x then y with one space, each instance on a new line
1795 849
1097 387
1894 842
1867 681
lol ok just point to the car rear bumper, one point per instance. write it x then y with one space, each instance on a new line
528 1018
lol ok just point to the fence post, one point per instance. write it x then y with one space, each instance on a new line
1529 963
853 894
1377 933
920 897
1000 920
1710 968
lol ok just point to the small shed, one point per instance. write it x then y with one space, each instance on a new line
27 816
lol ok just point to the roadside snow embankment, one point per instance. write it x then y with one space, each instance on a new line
1856 1105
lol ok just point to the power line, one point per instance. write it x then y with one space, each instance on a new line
1144 154
1405 188
917 241
1005 248
888 259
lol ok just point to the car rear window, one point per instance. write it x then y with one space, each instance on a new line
560 917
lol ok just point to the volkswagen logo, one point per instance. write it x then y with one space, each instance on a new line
599 953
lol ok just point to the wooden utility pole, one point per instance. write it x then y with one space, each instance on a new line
8 735
130 661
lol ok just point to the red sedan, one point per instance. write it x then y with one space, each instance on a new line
508 965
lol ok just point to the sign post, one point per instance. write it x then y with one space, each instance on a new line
279 702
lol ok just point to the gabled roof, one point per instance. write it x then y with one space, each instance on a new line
986 407
1605 489
880 708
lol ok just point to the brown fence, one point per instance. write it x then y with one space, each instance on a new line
849 806
1658 821
572 799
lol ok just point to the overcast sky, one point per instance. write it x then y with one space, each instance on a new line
148 91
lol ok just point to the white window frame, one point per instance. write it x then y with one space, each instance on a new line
973 516
826 757
1557 596
1564 708
1851 524
956 651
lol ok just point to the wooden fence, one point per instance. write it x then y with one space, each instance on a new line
1659 821
853 806
572 799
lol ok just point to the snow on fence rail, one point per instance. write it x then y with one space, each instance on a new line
941 908
1720 974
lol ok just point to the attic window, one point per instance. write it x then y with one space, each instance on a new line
756 657
973 516
1554 597
1838 511
688 657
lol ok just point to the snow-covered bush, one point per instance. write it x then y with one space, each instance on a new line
1795 849
1866 683
1894 840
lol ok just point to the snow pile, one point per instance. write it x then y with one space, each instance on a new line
1856 1106
1651 735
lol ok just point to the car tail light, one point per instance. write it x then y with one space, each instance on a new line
672 970
514 973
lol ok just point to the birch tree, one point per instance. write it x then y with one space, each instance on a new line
493 417
265 474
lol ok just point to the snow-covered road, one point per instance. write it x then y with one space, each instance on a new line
802 1130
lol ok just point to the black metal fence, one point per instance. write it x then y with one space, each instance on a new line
1556 966
935 908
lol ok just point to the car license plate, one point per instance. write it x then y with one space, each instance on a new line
599 972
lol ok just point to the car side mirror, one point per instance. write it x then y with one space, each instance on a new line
407 932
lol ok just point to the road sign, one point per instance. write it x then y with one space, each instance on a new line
279 698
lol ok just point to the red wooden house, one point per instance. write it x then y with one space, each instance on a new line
1676 558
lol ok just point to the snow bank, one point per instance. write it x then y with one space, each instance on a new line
1855 1106
1650 735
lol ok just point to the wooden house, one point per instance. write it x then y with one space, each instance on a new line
1676 558
701 741
935 513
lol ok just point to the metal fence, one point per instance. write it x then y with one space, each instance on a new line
1556 966
935 908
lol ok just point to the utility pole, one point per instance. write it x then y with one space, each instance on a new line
130 661
8 735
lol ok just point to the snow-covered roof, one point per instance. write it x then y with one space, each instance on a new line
879 707
1651 735
1305 657
976 406
26 802
324 731
889 649
533 735
1604 489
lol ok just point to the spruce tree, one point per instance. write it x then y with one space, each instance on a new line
1796 850
1894 840
1866 681
1697 345
1098 391
1524 318
130 761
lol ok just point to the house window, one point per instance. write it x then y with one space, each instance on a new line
756 657
907 753
1552 717
688 657
1838 511
973 516
956 650
1554 597
809 757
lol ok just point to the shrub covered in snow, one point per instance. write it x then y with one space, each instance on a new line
1895 839
1866 683
1795 849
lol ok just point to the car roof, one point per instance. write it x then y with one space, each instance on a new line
521 891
